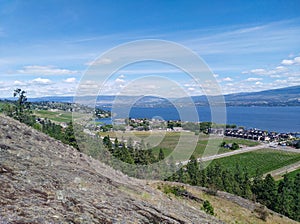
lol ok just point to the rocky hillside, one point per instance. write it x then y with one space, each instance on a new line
45 181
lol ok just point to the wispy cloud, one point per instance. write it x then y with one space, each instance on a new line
271 37
45 70
275 72
42 81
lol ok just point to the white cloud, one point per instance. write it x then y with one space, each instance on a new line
118 80
258 83
41 81
252 79
258 71
70 80
296 60
227 79
287 62
45 70
19 83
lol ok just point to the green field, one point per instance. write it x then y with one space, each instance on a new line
58 116
265 160
241 141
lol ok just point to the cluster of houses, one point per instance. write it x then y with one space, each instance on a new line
259 135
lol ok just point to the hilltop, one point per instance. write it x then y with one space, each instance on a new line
43 181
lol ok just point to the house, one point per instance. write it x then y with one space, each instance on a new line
177 129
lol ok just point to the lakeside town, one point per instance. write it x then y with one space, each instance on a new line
230 130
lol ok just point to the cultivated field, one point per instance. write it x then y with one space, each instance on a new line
170 140
57 116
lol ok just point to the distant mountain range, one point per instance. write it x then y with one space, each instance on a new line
289 96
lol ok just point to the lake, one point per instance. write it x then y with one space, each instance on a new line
279 119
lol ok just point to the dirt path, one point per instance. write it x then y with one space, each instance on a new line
277 174
249 149
235 152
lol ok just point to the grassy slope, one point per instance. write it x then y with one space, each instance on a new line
226 209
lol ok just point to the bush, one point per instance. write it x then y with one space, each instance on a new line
262 212
235 146
208 208
176 190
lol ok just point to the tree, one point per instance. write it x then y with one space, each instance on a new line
193 170
150 156
285 201
257 185
69 136
235 146
125 155
22 111
297 197
161 155
269 193
223 144
20 103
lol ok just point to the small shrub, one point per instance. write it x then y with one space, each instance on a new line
212 190
262 212
208 208
176 190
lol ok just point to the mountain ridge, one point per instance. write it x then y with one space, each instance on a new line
288 96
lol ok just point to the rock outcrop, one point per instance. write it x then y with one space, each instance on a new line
45 181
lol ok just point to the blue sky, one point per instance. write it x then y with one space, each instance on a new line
45 47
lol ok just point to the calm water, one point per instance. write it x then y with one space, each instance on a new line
279 119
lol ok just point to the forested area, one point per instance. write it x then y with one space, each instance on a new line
283 198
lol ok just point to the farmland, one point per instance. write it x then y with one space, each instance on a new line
56 116
170 140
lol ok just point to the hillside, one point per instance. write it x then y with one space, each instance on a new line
45 181
289 96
